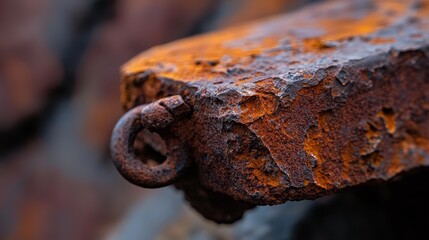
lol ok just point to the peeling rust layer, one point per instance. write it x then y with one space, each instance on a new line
301 105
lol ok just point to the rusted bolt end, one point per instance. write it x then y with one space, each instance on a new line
156 117
175 105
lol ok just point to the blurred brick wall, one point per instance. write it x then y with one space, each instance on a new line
28 67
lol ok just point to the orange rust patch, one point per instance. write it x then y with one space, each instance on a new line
382 40
257 106
344 27
257 166
316 44
389 119
313 147
374 137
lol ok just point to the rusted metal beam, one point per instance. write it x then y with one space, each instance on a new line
290 108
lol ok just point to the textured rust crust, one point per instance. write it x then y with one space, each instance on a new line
300 105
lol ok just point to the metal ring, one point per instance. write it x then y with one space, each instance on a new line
155 118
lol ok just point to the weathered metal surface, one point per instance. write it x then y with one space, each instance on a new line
297 106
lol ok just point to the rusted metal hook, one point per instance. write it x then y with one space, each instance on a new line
156 117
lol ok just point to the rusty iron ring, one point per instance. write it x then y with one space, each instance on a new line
155 117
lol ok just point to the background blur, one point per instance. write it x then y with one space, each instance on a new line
59 100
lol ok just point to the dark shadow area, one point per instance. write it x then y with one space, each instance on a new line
397 209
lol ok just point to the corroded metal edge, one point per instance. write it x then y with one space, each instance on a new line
286 113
